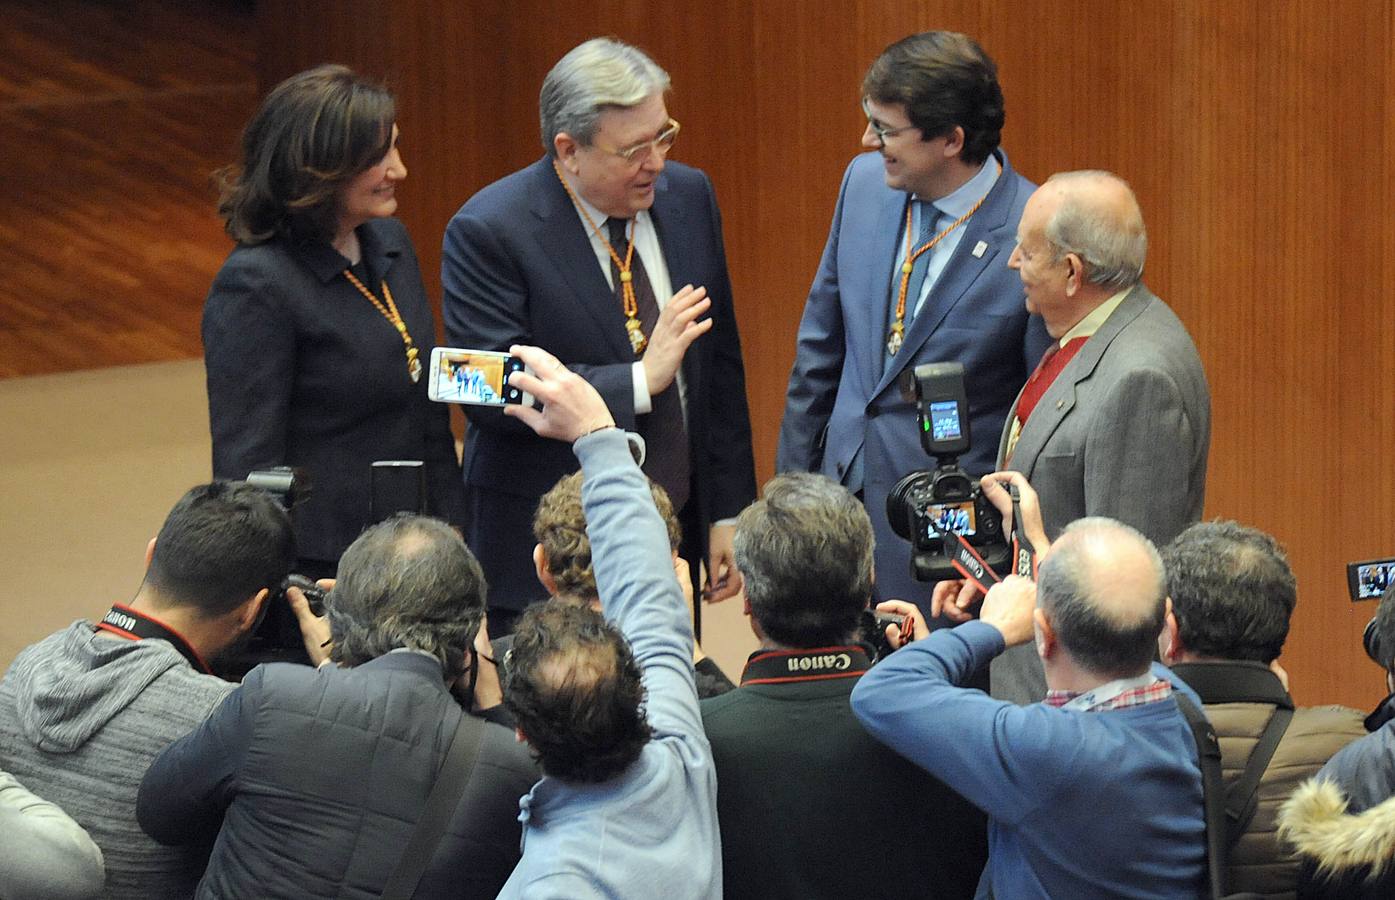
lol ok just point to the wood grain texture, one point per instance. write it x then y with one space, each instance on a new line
1258 136
112 117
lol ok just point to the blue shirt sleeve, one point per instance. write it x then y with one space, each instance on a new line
635 579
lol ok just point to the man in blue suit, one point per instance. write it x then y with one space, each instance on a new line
938 192
611 258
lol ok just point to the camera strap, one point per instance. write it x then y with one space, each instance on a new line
1024 555
133 625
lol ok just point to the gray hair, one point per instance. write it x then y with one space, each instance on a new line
598 74
805 552
410 582
1109 237
1232 591
1109 622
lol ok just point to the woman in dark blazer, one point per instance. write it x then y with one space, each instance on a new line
317 330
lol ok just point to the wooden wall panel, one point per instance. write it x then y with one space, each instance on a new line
1257 135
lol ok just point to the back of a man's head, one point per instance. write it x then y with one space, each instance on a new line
220 544
1232 591
804 551
576 692
559 526
1101 588
407 582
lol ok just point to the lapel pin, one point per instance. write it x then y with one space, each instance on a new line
979 249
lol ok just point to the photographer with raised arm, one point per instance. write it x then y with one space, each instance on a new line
627 803
1107 762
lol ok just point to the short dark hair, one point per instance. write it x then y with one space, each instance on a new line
575 689
408 581
1232 591
1385 628
312 134
943 79
804 551
1098 638
559 525
221 544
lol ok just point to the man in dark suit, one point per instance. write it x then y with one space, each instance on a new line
607 256
1116 421
937 180
807 797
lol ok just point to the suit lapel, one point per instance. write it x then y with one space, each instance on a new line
562 238
1059 399
962 270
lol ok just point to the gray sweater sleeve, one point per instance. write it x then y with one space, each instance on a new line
43 853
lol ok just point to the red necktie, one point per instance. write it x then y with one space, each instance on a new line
1052 362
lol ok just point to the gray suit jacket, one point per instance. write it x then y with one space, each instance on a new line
1123 432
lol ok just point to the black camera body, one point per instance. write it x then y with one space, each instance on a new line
926 504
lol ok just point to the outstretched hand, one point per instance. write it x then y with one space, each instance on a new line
673 334
571 407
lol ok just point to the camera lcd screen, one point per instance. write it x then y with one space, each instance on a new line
1370 579
944 420
475 378
956 517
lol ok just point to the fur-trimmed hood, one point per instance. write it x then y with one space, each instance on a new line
1316 823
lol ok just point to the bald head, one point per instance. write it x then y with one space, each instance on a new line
1102 589
1095 215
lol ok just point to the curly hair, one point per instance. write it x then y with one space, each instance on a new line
576 692
311 136
559 525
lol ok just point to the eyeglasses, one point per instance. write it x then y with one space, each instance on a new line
640 152
880 130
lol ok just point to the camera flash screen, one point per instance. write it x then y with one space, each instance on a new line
944 420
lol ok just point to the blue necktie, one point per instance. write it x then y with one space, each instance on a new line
929 218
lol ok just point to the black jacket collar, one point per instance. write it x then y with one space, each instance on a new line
1234 682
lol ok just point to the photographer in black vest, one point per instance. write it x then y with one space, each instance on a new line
808 800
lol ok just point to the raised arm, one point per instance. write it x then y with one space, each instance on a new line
629 544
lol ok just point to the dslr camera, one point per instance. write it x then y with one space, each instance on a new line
926 505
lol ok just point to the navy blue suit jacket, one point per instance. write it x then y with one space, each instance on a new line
842 396
303 371
518 268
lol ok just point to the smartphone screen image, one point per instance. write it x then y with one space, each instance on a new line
475 377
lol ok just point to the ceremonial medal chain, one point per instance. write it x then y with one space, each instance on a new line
898 328
627 288
390 313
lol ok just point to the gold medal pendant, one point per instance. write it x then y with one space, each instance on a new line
637 338
893 340
414 369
